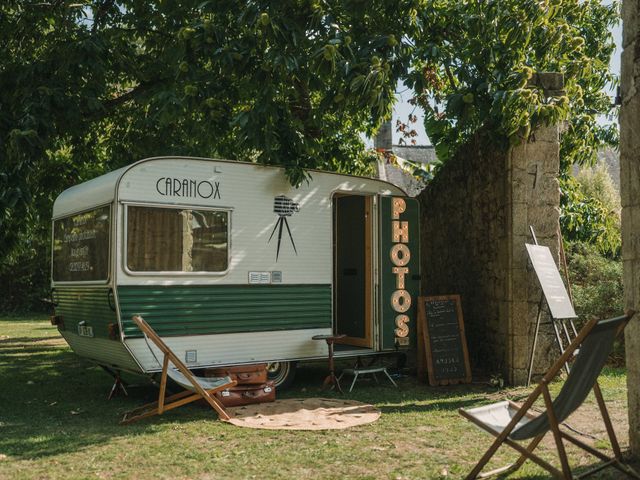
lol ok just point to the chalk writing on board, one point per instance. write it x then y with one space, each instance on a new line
445 345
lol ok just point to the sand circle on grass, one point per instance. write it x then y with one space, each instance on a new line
304 414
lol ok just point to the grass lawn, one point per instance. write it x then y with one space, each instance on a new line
55 422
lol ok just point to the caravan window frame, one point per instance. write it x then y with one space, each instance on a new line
168 273
112 220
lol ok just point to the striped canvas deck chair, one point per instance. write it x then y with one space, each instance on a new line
510 422
196 388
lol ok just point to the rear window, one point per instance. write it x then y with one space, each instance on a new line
81 246
177 240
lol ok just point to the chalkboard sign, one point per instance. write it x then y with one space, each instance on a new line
444 343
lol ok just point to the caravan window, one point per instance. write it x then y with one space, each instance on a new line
177 240
81 246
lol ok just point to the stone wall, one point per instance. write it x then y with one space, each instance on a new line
630 192
475 222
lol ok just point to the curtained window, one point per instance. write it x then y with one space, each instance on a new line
177 240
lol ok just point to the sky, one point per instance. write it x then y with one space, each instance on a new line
402 108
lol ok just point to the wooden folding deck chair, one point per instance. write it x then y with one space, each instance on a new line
510 422
195 387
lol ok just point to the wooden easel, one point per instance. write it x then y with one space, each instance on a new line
564 326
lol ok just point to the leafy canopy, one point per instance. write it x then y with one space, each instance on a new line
591 210
474 59
89 86
472 69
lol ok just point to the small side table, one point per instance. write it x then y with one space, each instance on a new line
356 371
331 378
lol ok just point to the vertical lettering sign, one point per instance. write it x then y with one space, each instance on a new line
400 256
81 246
399 271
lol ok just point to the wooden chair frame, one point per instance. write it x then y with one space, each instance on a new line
165 403
526 453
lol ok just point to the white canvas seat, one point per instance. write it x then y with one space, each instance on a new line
204 382
510 423
196 388
498 415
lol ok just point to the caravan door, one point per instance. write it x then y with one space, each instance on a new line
399 271
353 278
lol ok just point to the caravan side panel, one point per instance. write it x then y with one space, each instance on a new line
233 348
207 309
95 307
298 250
86 304
277 290
248 193
109 353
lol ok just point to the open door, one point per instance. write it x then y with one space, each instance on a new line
399 271
352 247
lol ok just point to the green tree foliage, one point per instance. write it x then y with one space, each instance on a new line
472 72
596 283
590 210
289 83
474 60
89 86
86 87
596 182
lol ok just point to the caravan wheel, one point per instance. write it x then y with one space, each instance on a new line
281 373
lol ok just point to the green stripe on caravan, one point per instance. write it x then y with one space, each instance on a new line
210 309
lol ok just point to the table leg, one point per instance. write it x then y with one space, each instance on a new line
332 372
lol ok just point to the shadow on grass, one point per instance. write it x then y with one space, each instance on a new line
410 396
444 406
55 402
40 351
24 318
27 340
608 473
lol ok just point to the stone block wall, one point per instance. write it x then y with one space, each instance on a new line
534 200
475 223
630 192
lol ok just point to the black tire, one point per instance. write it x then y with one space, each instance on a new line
282 374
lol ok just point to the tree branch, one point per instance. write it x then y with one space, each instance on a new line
450 77
110 105
135 92
301 108
99 15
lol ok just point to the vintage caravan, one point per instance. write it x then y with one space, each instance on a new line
232 265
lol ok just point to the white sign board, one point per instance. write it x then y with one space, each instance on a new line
552 286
